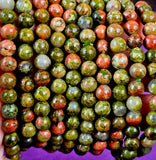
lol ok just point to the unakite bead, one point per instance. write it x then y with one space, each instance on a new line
42 93
42 62
134 103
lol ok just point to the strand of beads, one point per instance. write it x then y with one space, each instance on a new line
42 77
120 76
147 139
103 92
25 53
8 81
58 71
73 78
26 84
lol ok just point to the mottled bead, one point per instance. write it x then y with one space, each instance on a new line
40 3
11 139
7 4
135 88
152 70
152 86
42 108
55 10
27 84
89 84
137 55
26 35
42 62
25 67
137 70
43 31
68 4
8 64
57 39
57 24
73 77
27 100
104 76
72 30
88 68
23 6
114 16
28 130
152 103
58 70
7 48
11 151
121 77
58 86
151 118
26 20
119 61
9 31
72 45
42 78
134 40
43 123
25 52
42 15
9 96
120 92
118 44
85 22
87 36
84 9
42 93
113 5
9 111
134 103
7 16
57 55
41 46
8 80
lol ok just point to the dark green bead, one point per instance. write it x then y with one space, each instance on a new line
9 111
26 20
7 16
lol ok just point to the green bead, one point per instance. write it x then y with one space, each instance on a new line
137 55
71 135
42 93
151 118
41 46
27 100
152 87
9 96
7 16
23 6
26 20
9 111
120 92
25 52
11 139
28 130
102 108
57 39
134 103
57 55
26 35
58 86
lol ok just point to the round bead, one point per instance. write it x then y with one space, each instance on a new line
42 62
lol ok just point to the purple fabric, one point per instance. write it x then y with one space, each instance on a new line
40 154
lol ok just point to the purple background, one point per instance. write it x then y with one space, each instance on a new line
40 154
